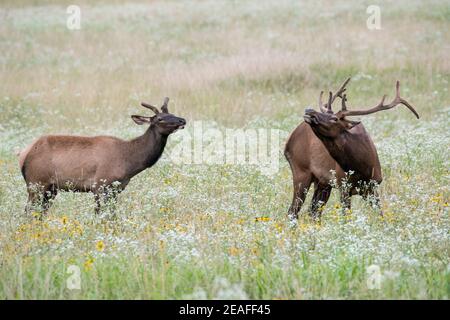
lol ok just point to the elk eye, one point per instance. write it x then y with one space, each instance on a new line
334 119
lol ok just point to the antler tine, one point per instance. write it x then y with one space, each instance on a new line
164 107
403 101
342 89
381 106
397 89
149 106
321 106
330 101
332 97
344 99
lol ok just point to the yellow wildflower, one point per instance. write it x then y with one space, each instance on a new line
88 264
278 227
389 216
303 226
234 251
100 246
79 230
36 214
437 198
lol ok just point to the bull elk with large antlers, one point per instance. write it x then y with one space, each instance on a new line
94 164
329 142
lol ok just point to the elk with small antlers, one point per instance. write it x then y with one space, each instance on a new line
329 142
93 164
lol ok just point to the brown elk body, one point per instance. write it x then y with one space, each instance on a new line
93 164
329 147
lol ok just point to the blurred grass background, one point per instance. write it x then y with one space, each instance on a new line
219 59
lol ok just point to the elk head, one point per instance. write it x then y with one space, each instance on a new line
163 121
328 124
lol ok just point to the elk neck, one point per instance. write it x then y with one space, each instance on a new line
354 151
145 150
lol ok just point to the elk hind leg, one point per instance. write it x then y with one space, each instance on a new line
40 199
320 198
302 183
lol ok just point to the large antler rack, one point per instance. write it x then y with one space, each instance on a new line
380 106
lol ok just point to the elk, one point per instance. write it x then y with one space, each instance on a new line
94 164
328 146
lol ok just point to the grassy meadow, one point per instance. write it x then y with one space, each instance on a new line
200 231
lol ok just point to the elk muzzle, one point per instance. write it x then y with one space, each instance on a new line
310 116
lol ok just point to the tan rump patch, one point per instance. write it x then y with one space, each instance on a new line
23 154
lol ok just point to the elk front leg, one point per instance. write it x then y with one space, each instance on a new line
98 204
320 198
106 197
301 187
346 200
111 202
373 197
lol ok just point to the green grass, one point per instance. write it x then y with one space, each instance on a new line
221 231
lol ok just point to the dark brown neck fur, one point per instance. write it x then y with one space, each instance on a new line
354 151
144 151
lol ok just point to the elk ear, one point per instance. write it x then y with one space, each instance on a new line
141 119
164 107
351 123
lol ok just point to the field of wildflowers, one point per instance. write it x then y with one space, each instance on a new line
200 231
